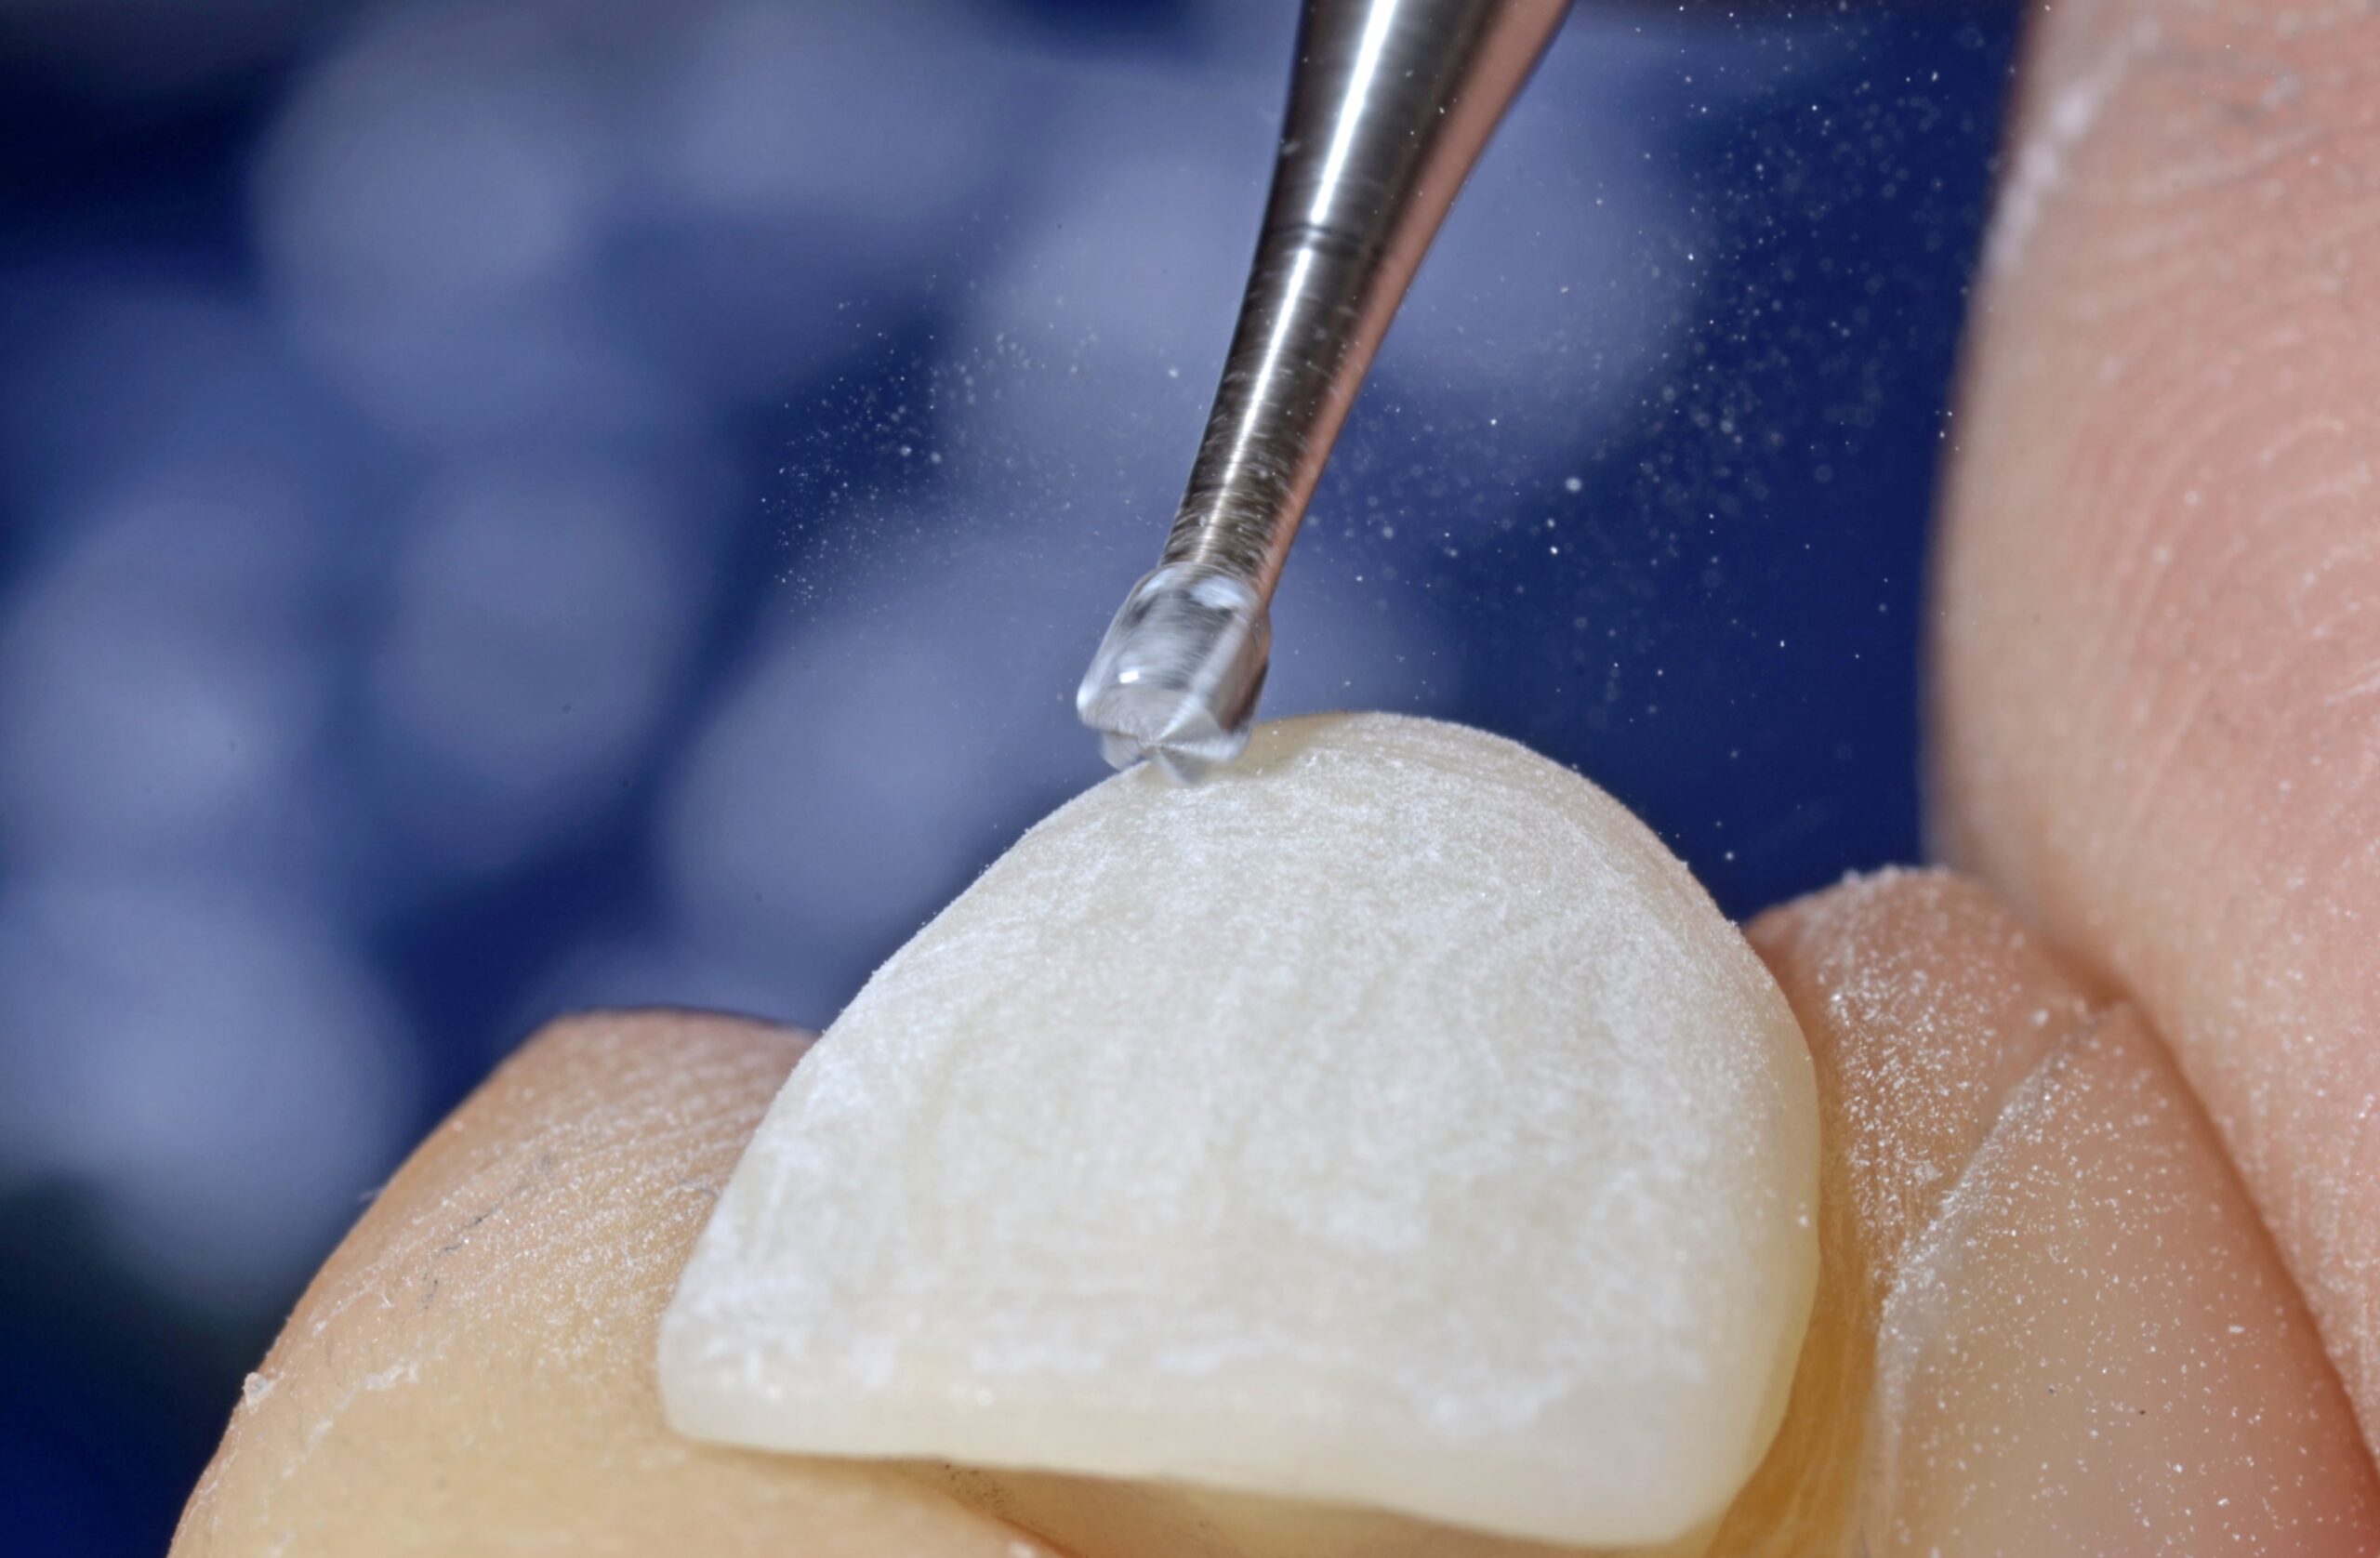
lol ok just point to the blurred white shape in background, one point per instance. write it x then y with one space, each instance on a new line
426 209
870 758
190 1033
541 613
210 1062
120 379
163 678
866 121
454 160
524 214
801 175
1091 349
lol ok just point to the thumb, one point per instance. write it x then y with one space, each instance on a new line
2157 724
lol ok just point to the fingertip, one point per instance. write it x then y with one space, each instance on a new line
473 1369
2035 1254
2093 1347
2154 680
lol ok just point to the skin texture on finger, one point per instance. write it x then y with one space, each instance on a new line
471 1372
2049 1320
2157 711
1096 1517
2095 1349
1922 1006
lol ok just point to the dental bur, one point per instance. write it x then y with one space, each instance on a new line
1390 103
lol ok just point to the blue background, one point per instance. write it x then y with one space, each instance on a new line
515 504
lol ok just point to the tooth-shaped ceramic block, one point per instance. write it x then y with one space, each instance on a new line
1389 1121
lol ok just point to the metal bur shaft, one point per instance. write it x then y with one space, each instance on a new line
1390 103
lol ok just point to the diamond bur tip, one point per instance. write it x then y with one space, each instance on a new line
1176 679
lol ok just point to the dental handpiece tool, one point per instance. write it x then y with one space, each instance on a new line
1390 103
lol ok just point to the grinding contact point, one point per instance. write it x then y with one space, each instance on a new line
1176 679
